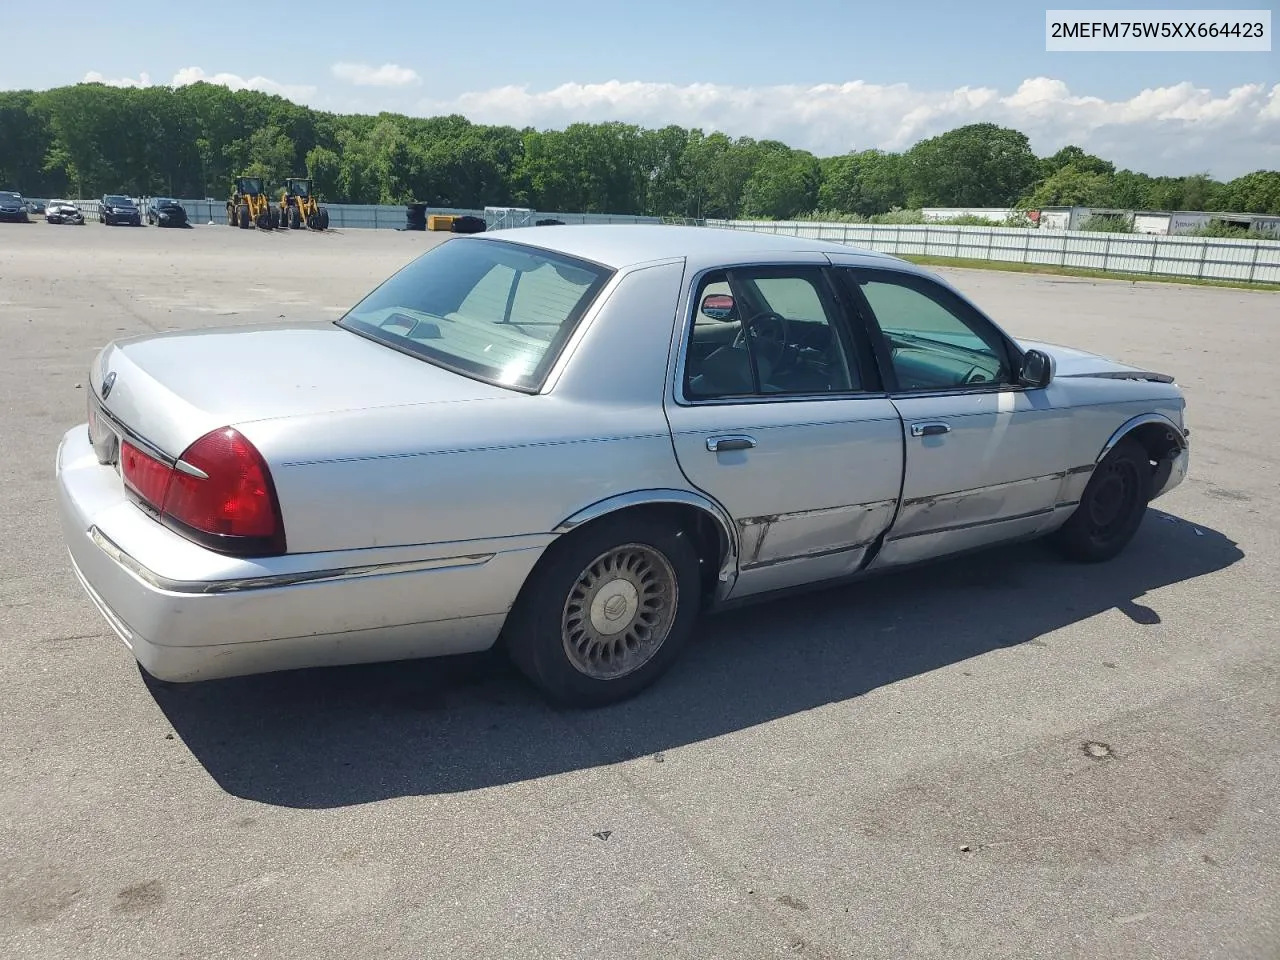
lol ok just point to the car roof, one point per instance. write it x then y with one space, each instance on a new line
621 245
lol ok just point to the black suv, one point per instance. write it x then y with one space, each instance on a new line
113 209
166 212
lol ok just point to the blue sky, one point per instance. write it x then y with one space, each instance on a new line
821 74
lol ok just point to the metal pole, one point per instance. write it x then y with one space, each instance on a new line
1253 264
1106 254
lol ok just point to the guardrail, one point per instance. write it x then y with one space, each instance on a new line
1204 258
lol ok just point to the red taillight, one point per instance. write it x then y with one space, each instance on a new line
232 508
144 475
236 498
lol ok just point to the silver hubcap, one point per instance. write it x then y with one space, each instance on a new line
619 612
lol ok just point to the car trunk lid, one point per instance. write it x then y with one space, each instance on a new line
171 389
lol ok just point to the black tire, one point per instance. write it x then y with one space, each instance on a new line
1111 508
556 604
322 215
295 221
311 221
242 216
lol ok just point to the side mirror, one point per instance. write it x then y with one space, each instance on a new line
718 306
1037 369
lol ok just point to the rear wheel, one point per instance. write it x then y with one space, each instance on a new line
295 222
606 611
1112 507
242 216
322 215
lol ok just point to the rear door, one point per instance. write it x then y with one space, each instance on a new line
986 458
777 413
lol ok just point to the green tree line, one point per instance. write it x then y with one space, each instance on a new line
89 139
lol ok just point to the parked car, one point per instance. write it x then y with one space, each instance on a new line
114 208
166 212
63 211
13 208
35 206
575 441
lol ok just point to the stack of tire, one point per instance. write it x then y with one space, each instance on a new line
468 224
549 223
415 216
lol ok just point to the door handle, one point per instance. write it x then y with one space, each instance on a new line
725 444
931 429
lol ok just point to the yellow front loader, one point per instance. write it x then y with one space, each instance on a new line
299 206
250 206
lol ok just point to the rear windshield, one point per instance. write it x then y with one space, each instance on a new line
489 309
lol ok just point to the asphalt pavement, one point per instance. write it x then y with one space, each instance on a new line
1003 756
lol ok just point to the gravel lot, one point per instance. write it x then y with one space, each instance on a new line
895 769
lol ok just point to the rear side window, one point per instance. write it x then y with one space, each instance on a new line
497 311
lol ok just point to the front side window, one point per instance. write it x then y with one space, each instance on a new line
934 341
766 332
489 309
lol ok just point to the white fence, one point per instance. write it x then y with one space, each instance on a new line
1256 261
1210 258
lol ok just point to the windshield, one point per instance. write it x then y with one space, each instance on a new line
250 185
120 201
7 195
302 188
164 201
489 309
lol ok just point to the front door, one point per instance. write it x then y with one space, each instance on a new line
776 414
985 458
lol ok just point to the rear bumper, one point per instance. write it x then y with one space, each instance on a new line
188 614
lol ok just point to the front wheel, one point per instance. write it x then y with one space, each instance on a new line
606 611
1112 507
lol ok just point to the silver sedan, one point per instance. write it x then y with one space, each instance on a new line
573 441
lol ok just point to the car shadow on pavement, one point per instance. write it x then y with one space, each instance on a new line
350 735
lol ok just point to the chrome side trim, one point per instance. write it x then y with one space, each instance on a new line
815 555
639 498
970 526
1142 420
150 577
961 494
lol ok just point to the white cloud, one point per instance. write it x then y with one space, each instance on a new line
93 76
387 75
1166 130
189 75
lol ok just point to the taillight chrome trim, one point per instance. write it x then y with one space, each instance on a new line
123 432
189 470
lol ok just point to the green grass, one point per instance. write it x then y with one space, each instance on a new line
1011 267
